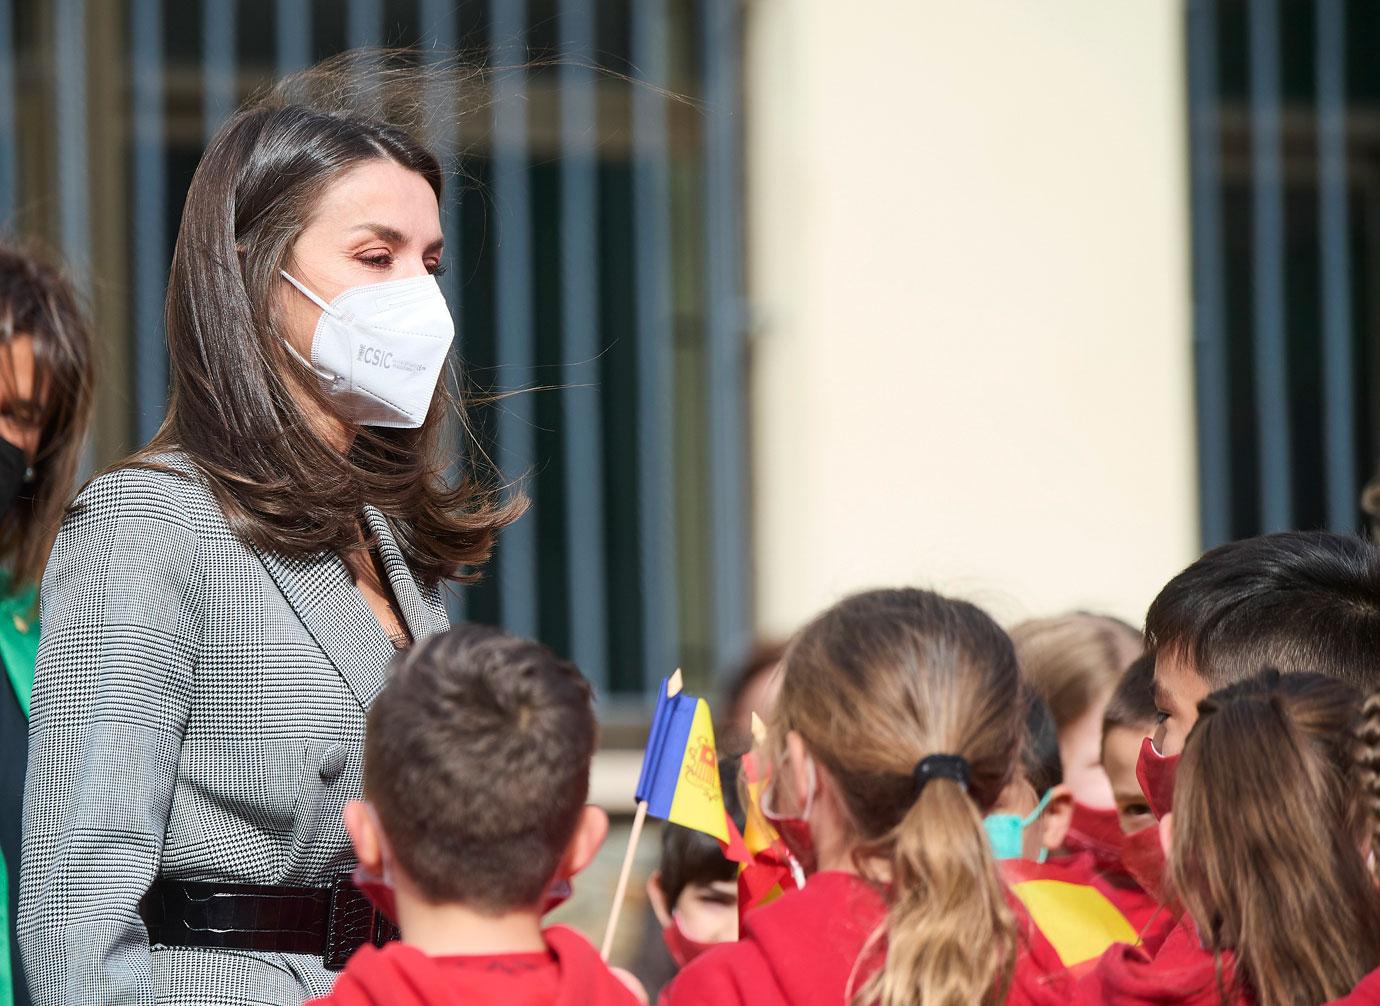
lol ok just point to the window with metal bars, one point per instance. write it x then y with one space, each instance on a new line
1284 114
594 243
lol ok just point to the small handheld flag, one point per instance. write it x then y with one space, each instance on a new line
766 874
679 781
680 771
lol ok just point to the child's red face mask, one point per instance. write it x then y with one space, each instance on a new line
1096 831
378 891
794 829
683 949
1155 773
1142 855
557 894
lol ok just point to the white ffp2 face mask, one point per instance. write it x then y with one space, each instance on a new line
379 349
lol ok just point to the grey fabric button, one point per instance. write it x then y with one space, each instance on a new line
332 762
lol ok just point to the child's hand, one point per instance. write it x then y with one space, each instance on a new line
634 986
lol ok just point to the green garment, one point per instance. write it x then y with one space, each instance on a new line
19 639
18 648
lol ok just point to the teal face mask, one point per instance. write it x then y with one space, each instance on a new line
1004 831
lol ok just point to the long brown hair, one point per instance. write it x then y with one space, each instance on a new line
234 400
872 686
1270 823
1368 763
37 301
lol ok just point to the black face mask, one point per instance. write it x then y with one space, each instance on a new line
15 474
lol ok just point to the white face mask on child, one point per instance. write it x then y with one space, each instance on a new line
379 349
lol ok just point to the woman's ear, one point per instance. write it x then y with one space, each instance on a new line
1167 832
657 896
365 835
1058 816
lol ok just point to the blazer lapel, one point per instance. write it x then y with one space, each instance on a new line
322 592
423 617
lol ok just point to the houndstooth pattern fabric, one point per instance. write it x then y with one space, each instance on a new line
198 714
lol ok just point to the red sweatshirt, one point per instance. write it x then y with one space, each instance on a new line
569 974
1075 909
1139 907
803 948
1365 994
1170 968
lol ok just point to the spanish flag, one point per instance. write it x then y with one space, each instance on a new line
680 771
766 874
1068 905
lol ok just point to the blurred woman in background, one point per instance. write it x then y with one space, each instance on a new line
45 403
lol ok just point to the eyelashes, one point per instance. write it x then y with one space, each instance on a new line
386 262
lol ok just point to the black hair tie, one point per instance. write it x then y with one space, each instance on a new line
941 766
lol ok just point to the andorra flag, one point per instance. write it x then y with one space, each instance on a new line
680 771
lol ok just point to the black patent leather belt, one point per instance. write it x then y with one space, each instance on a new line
327 922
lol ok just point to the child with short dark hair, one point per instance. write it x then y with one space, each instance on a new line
1299 601
1128 719
1137 875
1032 814
694 891
476 771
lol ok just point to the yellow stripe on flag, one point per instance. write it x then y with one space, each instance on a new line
699 799
1078 920
758 834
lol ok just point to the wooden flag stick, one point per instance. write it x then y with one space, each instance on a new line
622 889
674 684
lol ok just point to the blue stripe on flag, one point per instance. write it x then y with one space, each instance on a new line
670 758
660 718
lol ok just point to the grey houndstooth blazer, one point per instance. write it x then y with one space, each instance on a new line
198 714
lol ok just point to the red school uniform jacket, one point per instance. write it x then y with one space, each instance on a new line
570 973
1169 968
803 948
1132 900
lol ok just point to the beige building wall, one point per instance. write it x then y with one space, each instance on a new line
969 268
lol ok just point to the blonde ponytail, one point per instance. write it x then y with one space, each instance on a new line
909 701
951 936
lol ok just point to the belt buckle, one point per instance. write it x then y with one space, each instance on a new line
351 922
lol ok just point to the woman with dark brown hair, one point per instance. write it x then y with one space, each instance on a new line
1272 826
45 402
220 610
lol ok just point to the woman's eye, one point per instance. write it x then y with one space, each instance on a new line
1160 717
379 261
437 268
